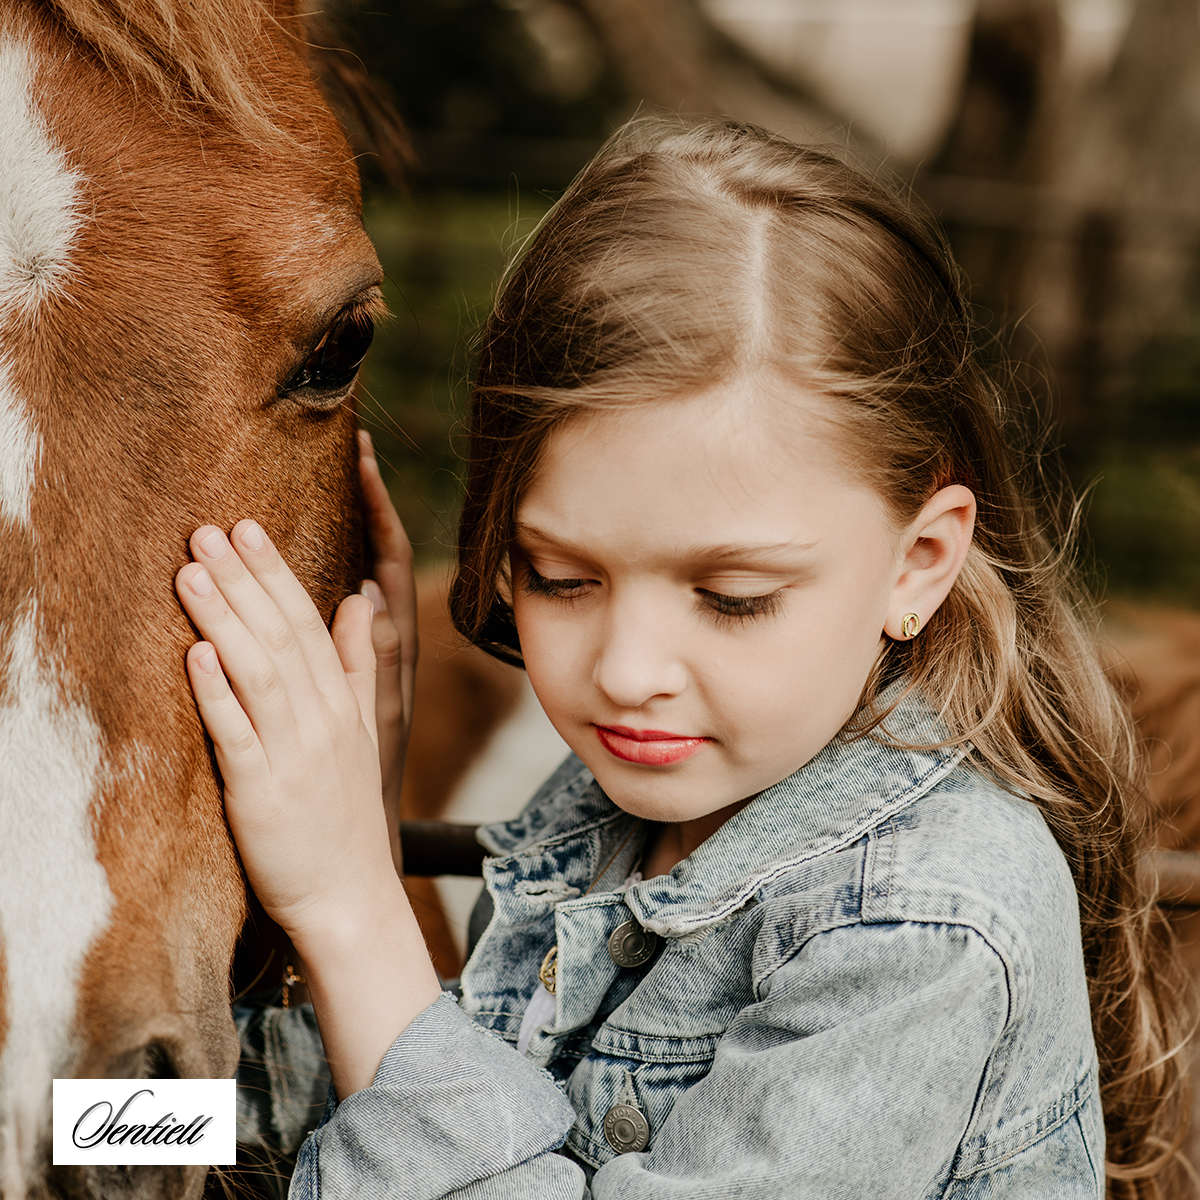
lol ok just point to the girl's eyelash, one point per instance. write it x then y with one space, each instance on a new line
562 589
723 608
740 608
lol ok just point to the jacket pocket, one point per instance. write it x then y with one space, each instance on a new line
1064 1159
658 1070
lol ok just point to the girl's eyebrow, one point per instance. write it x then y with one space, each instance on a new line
722 554
524 532
748 552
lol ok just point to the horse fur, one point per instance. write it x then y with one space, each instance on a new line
194 58
163 263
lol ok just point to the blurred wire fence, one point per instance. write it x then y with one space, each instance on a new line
1057 140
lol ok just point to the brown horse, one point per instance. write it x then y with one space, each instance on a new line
185 293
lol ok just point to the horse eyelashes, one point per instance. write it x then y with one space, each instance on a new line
332 366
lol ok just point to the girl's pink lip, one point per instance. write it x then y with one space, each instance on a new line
651 747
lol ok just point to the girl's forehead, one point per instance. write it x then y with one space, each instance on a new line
749 426
731 465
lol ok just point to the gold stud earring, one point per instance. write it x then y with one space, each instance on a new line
911 625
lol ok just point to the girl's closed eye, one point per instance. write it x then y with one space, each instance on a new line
725 608
535 584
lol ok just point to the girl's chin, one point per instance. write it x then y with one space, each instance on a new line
662 799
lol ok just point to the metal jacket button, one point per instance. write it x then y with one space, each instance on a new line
548 971
630 945
626 1128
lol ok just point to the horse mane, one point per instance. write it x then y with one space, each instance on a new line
193 54
201 57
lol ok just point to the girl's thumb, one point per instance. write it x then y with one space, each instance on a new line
385 637
374 593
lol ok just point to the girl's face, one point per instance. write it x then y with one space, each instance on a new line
701 587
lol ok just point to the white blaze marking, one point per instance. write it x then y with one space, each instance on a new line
54 895
39 192
20 449
39 214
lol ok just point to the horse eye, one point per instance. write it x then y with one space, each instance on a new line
334 363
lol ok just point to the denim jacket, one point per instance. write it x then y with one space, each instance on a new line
869 983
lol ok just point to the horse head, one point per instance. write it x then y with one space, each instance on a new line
185 294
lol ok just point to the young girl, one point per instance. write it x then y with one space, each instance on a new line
838 895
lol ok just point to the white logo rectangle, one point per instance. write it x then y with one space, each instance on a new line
127 1122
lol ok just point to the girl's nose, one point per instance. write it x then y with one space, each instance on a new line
637 660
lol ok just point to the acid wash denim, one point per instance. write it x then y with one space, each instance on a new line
870 985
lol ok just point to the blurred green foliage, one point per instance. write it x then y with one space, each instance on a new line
523 68
1144 515
442 255
1144 526
502 101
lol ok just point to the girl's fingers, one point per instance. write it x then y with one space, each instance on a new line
395 626
262 691
385 637
272 604
393 553
393 682
393 692
387 532
239 751
352 641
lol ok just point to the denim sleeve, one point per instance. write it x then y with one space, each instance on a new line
854 1075
453 1111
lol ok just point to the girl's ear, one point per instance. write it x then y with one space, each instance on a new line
933 550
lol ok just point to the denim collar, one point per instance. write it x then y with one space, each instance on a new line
833 800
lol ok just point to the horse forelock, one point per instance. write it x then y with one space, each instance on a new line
191 55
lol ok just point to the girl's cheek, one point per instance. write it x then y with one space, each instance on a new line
547 647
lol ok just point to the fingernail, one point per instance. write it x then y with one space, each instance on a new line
201 583
213 544
252 536
374 593
207 661
366 439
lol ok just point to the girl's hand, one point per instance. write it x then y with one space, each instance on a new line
292 716
393 634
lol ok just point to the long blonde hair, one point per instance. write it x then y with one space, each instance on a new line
686 255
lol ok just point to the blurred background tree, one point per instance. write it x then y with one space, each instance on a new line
1058 141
